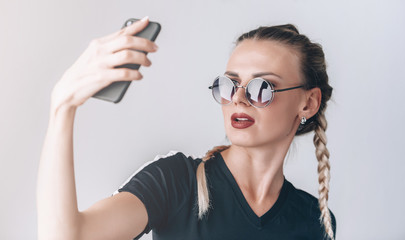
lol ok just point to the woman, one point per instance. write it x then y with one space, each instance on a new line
234 192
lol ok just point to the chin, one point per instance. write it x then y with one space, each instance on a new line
252 137
247 144
243 139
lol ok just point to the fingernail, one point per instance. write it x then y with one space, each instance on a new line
145 18
155 47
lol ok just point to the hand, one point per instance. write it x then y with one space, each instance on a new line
95 68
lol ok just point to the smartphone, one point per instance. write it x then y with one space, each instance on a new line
116 90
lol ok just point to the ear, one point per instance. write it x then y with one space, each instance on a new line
312 103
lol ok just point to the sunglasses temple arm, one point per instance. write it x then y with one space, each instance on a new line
286 89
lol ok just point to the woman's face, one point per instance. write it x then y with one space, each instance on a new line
277 122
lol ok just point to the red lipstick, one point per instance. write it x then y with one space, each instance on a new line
241 120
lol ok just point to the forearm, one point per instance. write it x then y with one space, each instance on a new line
58 216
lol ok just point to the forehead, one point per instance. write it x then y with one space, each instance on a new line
253 56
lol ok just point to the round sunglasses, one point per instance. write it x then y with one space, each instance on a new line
259 92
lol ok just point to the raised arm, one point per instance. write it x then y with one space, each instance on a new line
122 216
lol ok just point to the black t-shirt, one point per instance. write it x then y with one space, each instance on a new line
168 188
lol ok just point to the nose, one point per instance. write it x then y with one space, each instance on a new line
240 96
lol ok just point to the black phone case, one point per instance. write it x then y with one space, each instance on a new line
116 90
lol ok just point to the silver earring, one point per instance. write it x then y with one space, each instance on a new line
303 120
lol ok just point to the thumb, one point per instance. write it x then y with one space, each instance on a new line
136 26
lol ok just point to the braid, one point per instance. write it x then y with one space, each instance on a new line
202 188
322 154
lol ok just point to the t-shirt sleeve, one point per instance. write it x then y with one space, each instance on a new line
162 185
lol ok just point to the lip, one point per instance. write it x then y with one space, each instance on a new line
241 120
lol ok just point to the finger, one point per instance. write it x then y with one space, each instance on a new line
127 57
128 30
121 74
130 42
136 27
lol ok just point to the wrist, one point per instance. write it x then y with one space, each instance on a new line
64 110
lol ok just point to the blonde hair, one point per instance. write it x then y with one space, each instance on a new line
313 68
322 154
202 188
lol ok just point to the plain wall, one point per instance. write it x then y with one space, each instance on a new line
172 109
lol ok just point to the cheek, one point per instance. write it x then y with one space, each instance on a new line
226 115
227 122
282 114
287 102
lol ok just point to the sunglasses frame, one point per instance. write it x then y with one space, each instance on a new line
239 86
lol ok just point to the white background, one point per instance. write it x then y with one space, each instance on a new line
173 109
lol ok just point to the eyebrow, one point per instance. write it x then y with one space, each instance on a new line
255 75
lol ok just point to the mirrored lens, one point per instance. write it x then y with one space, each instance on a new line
223 90
259 92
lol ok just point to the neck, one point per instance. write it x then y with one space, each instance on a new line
257 170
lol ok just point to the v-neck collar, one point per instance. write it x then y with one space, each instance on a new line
259 222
